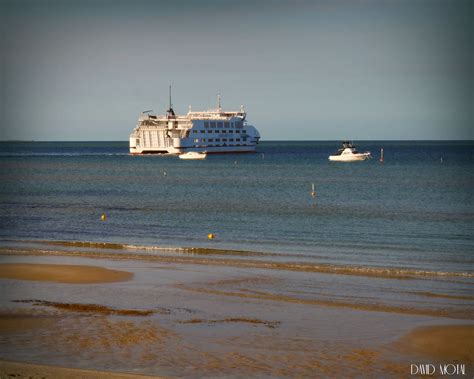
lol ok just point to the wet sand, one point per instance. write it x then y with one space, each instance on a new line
442 343
149 346
62 273
179 319
35 371
15 322
269 355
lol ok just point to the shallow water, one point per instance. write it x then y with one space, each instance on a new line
203 320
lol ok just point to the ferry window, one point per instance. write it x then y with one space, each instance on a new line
219 124
218 140
206 124
237 131
244 139
195 131
224 139
203 140
231 131
224 131
196 140
231 140
211 140
244 131
209 131
213 124
226 124
202 131
237 139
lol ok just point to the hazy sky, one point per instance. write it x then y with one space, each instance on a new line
305 70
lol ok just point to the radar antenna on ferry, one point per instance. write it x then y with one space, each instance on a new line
170 111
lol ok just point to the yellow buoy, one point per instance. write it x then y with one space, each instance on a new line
211 236
103 217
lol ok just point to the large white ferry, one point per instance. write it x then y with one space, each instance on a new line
212 131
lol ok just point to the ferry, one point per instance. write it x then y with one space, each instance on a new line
212 131
348 153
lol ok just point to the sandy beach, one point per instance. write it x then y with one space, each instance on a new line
179 319
441 343
32 371
62 273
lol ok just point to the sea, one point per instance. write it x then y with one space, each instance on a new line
291 285
412 211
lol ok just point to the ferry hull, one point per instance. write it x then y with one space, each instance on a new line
206 149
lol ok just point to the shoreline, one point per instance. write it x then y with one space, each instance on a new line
218 257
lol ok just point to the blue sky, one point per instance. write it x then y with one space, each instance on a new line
305 70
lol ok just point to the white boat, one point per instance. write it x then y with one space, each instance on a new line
348 153
213 131
193 155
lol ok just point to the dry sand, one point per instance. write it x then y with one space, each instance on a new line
34 371
443 343
62 273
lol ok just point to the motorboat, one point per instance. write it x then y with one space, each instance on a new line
193 155
348 153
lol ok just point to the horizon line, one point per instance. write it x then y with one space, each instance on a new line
270 140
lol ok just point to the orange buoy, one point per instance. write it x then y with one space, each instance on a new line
103 217
211 236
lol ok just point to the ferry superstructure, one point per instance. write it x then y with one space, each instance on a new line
212 131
